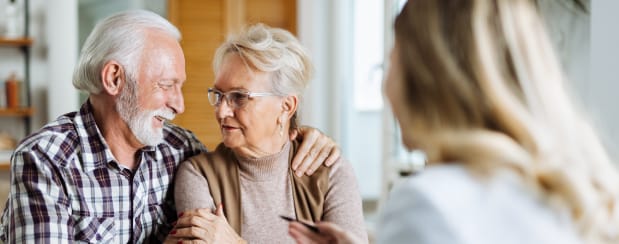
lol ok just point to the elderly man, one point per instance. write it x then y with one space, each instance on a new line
103 173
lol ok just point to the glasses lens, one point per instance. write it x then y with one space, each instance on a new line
237 99
213 97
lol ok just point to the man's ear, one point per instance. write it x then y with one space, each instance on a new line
290 105
112 77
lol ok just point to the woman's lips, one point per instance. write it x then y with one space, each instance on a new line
228 128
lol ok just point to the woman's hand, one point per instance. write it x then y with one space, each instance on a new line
203 226
329 233
315 148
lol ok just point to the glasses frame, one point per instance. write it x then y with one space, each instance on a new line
233 104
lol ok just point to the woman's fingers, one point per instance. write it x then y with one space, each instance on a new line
206 225
302 234
334 154
328 151
195 224
311 160
337 234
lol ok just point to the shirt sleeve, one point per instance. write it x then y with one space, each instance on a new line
410 216
37 209
191 189
343 201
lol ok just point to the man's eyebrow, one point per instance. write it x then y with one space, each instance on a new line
175 81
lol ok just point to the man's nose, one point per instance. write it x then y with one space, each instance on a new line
177 102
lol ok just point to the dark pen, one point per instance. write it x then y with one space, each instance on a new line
309 226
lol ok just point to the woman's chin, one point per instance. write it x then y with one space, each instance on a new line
230 142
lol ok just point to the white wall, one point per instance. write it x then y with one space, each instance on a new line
62 44
326 29
319 105
602 97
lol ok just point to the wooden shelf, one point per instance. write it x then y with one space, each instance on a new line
5 166
17 42
16 112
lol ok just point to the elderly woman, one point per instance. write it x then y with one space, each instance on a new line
474 83
260 76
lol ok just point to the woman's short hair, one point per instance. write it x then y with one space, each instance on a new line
271 50
120 37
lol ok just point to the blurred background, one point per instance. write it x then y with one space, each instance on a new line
347 39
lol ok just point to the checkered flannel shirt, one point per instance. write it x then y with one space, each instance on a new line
66 186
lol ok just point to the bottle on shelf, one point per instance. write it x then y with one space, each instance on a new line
11 87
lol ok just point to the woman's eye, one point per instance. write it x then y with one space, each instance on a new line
239 97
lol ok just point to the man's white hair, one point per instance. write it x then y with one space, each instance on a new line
120 37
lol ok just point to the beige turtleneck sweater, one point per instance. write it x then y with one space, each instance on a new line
266 194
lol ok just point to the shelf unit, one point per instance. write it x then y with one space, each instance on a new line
17 42
27 111
24 44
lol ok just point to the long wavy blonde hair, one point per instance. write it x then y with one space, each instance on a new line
482 77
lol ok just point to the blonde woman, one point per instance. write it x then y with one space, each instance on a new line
475 84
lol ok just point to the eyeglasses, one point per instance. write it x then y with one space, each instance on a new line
234 98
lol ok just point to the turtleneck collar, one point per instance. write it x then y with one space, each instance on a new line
265 168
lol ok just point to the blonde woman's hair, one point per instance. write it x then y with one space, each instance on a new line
271 50
483 76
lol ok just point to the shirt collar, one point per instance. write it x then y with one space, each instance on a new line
95 151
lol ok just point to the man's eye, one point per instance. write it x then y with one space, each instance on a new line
166 86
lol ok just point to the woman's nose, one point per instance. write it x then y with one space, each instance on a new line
223 109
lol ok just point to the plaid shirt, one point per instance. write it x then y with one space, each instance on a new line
66 186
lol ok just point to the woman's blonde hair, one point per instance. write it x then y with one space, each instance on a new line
483 76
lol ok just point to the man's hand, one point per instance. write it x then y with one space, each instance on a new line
315 148
203 226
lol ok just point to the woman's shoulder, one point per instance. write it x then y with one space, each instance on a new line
471 207
439 185
433 174
216 161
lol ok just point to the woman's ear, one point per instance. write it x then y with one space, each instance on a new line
290 105
112 78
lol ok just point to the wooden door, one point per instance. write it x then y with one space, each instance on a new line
204 25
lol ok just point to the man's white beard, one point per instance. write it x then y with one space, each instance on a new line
141 126
140 121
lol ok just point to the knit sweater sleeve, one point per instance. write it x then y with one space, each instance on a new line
191 189
343 200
